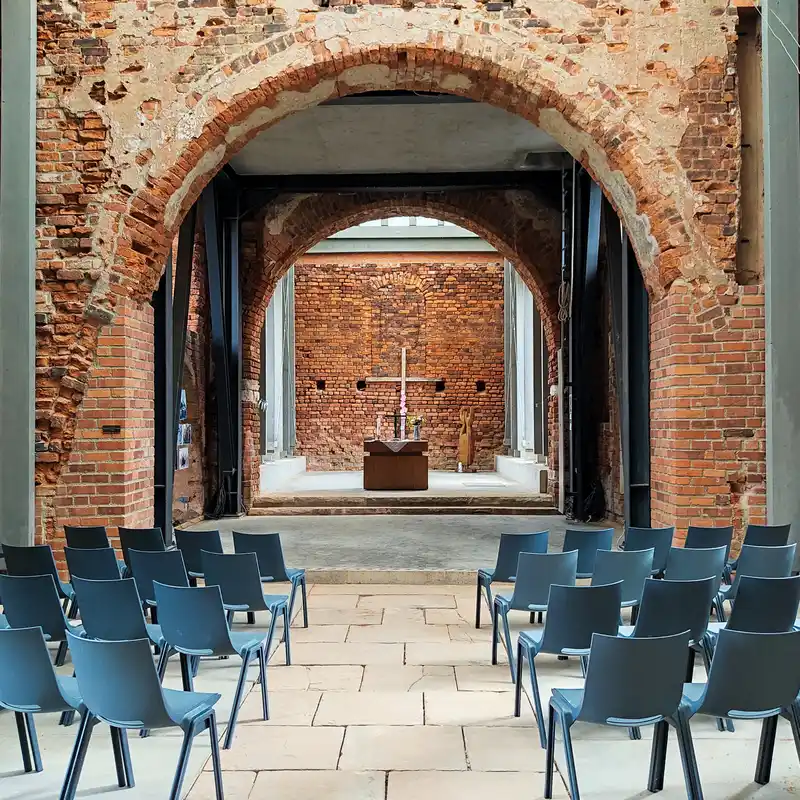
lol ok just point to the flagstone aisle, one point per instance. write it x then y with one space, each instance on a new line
392 697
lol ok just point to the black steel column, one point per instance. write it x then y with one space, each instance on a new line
163 411
180 307
233 320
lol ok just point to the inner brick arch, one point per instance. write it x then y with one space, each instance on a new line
520 227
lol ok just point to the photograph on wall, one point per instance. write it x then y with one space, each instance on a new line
183 412
183 458
184 434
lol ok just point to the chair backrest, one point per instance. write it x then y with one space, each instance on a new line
587 542
536 572
192 543
165 566
83 537
660 539
767 535
511 545
110 610
27 679
634 679
267 547
31 601
118 682
632 567
764 562
574 613
705 537
669 607
237 576
145 539
693 563
97 563
34 560
765 605
769 662
193 620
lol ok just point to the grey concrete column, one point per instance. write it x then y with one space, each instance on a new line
289 411
510 356
781 248
17 265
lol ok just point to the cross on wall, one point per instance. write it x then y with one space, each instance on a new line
403 378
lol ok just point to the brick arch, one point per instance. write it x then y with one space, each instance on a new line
519 226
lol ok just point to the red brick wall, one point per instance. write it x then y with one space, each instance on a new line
108 479
354 312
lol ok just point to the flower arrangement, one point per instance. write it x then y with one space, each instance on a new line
416 419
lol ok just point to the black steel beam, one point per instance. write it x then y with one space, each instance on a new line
233 320
180 306
164 439
407 181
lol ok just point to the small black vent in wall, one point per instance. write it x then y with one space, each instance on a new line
480 386
440 386
320 386
361 385
111 429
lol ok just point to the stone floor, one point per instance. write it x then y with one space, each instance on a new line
402 542
391 696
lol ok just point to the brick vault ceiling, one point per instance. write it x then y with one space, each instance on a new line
404 133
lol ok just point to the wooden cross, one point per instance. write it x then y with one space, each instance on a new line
403 379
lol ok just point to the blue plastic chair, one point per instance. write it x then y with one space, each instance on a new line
616 695
29 685
505 568
86 537
632 567
756 562
96 564
238 579
32 601
763 536
769 660
193 623
163 566
587 542
143 539
192 544
574 614
120 687
692 564
704 537
267 546
38 560
659 539
535 573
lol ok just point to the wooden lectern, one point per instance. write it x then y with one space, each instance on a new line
395 465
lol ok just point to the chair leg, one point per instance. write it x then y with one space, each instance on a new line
541 617
691 773
186 674
73 609
532 618
489 599
286 643
794 720
570 759
22 733
183 760
550 757
61 654
766 750
163 659
508 644
215 761
518 681
251 617
584 665
122 779
237 701
658 757
126 757
537 701
495 635
478 600
271 632
262 661
634 734
304 597
690 666
78 756
31 729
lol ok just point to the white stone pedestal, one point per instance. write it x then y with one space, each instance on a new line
275 474
529 473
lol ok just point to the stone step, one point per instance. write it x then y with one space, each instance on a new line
353 510
410 500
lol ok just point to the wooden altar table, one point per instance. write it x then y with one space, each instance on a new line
400 465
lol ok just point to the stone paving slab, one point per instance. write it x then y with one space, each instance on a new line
335 653
322 785
407 678
320 678
381 601
474 708
415 748
399 633
466 786
370 708
277 747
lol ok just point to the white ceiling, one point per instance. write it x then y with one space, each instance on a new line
379 135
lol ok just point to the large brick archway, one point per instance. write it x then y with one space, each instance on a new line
522 228
136 119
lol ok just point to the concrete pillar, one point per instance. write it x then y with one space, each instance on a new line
273 374
17 264
781 131
525 367
510 356
289 415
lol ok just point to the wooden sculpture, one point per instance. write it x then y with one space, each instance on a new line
466 441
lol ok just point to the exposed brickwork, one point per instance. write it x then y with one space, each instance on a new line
354 312
140 103
109 477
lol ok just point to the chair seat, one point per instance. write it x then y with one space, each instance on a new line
67 589
155 634
531 640
245 642
273 601
69 691
186 707
715 627
693 694
569 701
626 630
3 622
724 591
294 573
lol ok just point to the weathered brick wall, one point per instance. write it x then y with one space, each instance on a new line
354 312
109 477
